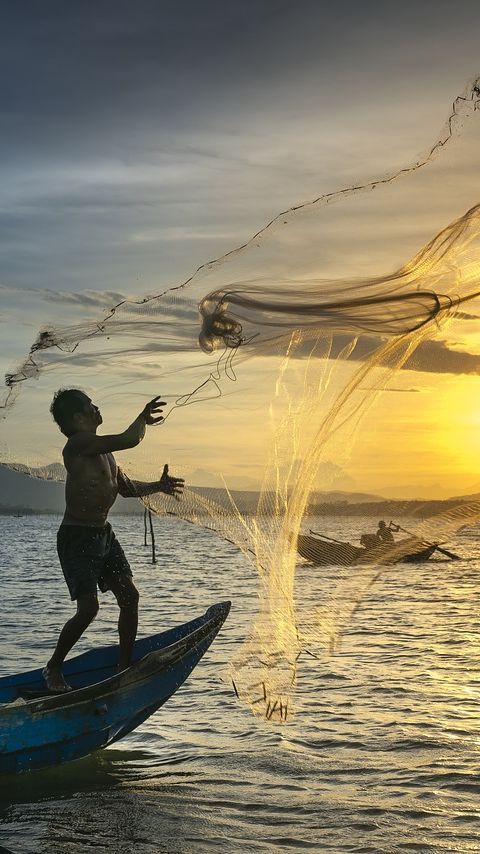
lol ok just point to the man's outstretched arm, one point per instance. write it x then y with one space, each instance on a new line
128 488
89 444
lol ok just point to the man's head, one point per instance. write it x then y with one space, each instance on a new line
382 524
74 411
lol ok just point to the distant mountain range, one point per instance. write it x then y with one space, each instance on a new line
474 497
44 493
337 497
42 490
19 491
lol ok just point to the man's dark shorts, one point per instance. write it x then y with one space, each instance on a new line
90 557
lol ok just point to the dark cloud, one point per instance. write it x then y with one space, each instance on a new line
204 95
72 69
429 357
95 76
462 315
90 299
437 357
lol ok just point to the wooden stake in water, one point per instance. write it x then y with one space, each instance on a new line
152 534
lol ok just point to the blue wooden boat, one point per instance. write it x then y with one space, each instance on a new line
40 729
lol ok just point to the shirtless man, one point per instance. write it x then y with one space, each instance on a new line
89 552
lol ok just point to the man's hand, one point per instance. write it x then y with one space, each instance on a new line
171 485
152 410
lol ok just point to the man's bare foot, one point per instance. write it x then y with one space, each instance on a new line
54 680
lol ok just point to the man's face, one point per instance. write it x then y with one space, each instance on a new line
91 416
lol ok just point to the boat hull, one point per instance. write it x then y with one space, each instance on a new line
322 553
39 732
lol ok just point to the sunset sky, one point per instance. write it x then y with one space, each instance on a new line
140 140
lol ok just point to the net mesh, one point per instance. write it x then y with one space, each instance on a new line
277 361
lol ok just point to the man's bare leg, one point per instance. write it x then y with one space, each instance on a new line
127 597
87 609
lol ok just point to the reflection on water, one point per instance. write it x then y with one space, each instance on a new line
383 754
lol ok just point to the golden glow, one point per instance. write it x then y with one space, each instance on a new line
428 439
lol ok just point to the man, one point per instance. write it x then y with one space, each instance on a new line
89 552
384 533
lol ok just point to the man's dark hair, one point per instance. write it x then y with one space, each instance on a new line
66 403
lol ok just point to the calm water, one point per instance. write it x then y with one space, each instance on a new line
382 756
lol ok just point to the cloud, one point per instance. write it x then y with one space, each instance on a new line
139 141
182 234
90 299
430 356
438 358
395 390
190 125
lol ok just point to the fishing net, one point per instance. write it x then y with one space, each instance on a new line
290 364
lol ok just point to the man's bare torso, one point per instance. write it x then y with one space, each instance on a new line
91 487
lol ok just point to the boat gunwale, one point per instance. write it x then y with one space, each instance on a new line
153 662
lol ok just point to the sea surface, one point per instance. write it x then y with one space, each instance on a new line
383 754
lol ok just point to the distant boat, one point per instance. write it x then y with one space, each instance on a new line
40 729
329 553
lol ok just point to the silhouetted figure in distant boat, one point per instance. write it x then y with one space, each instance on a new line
383 536
89 552
384 532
